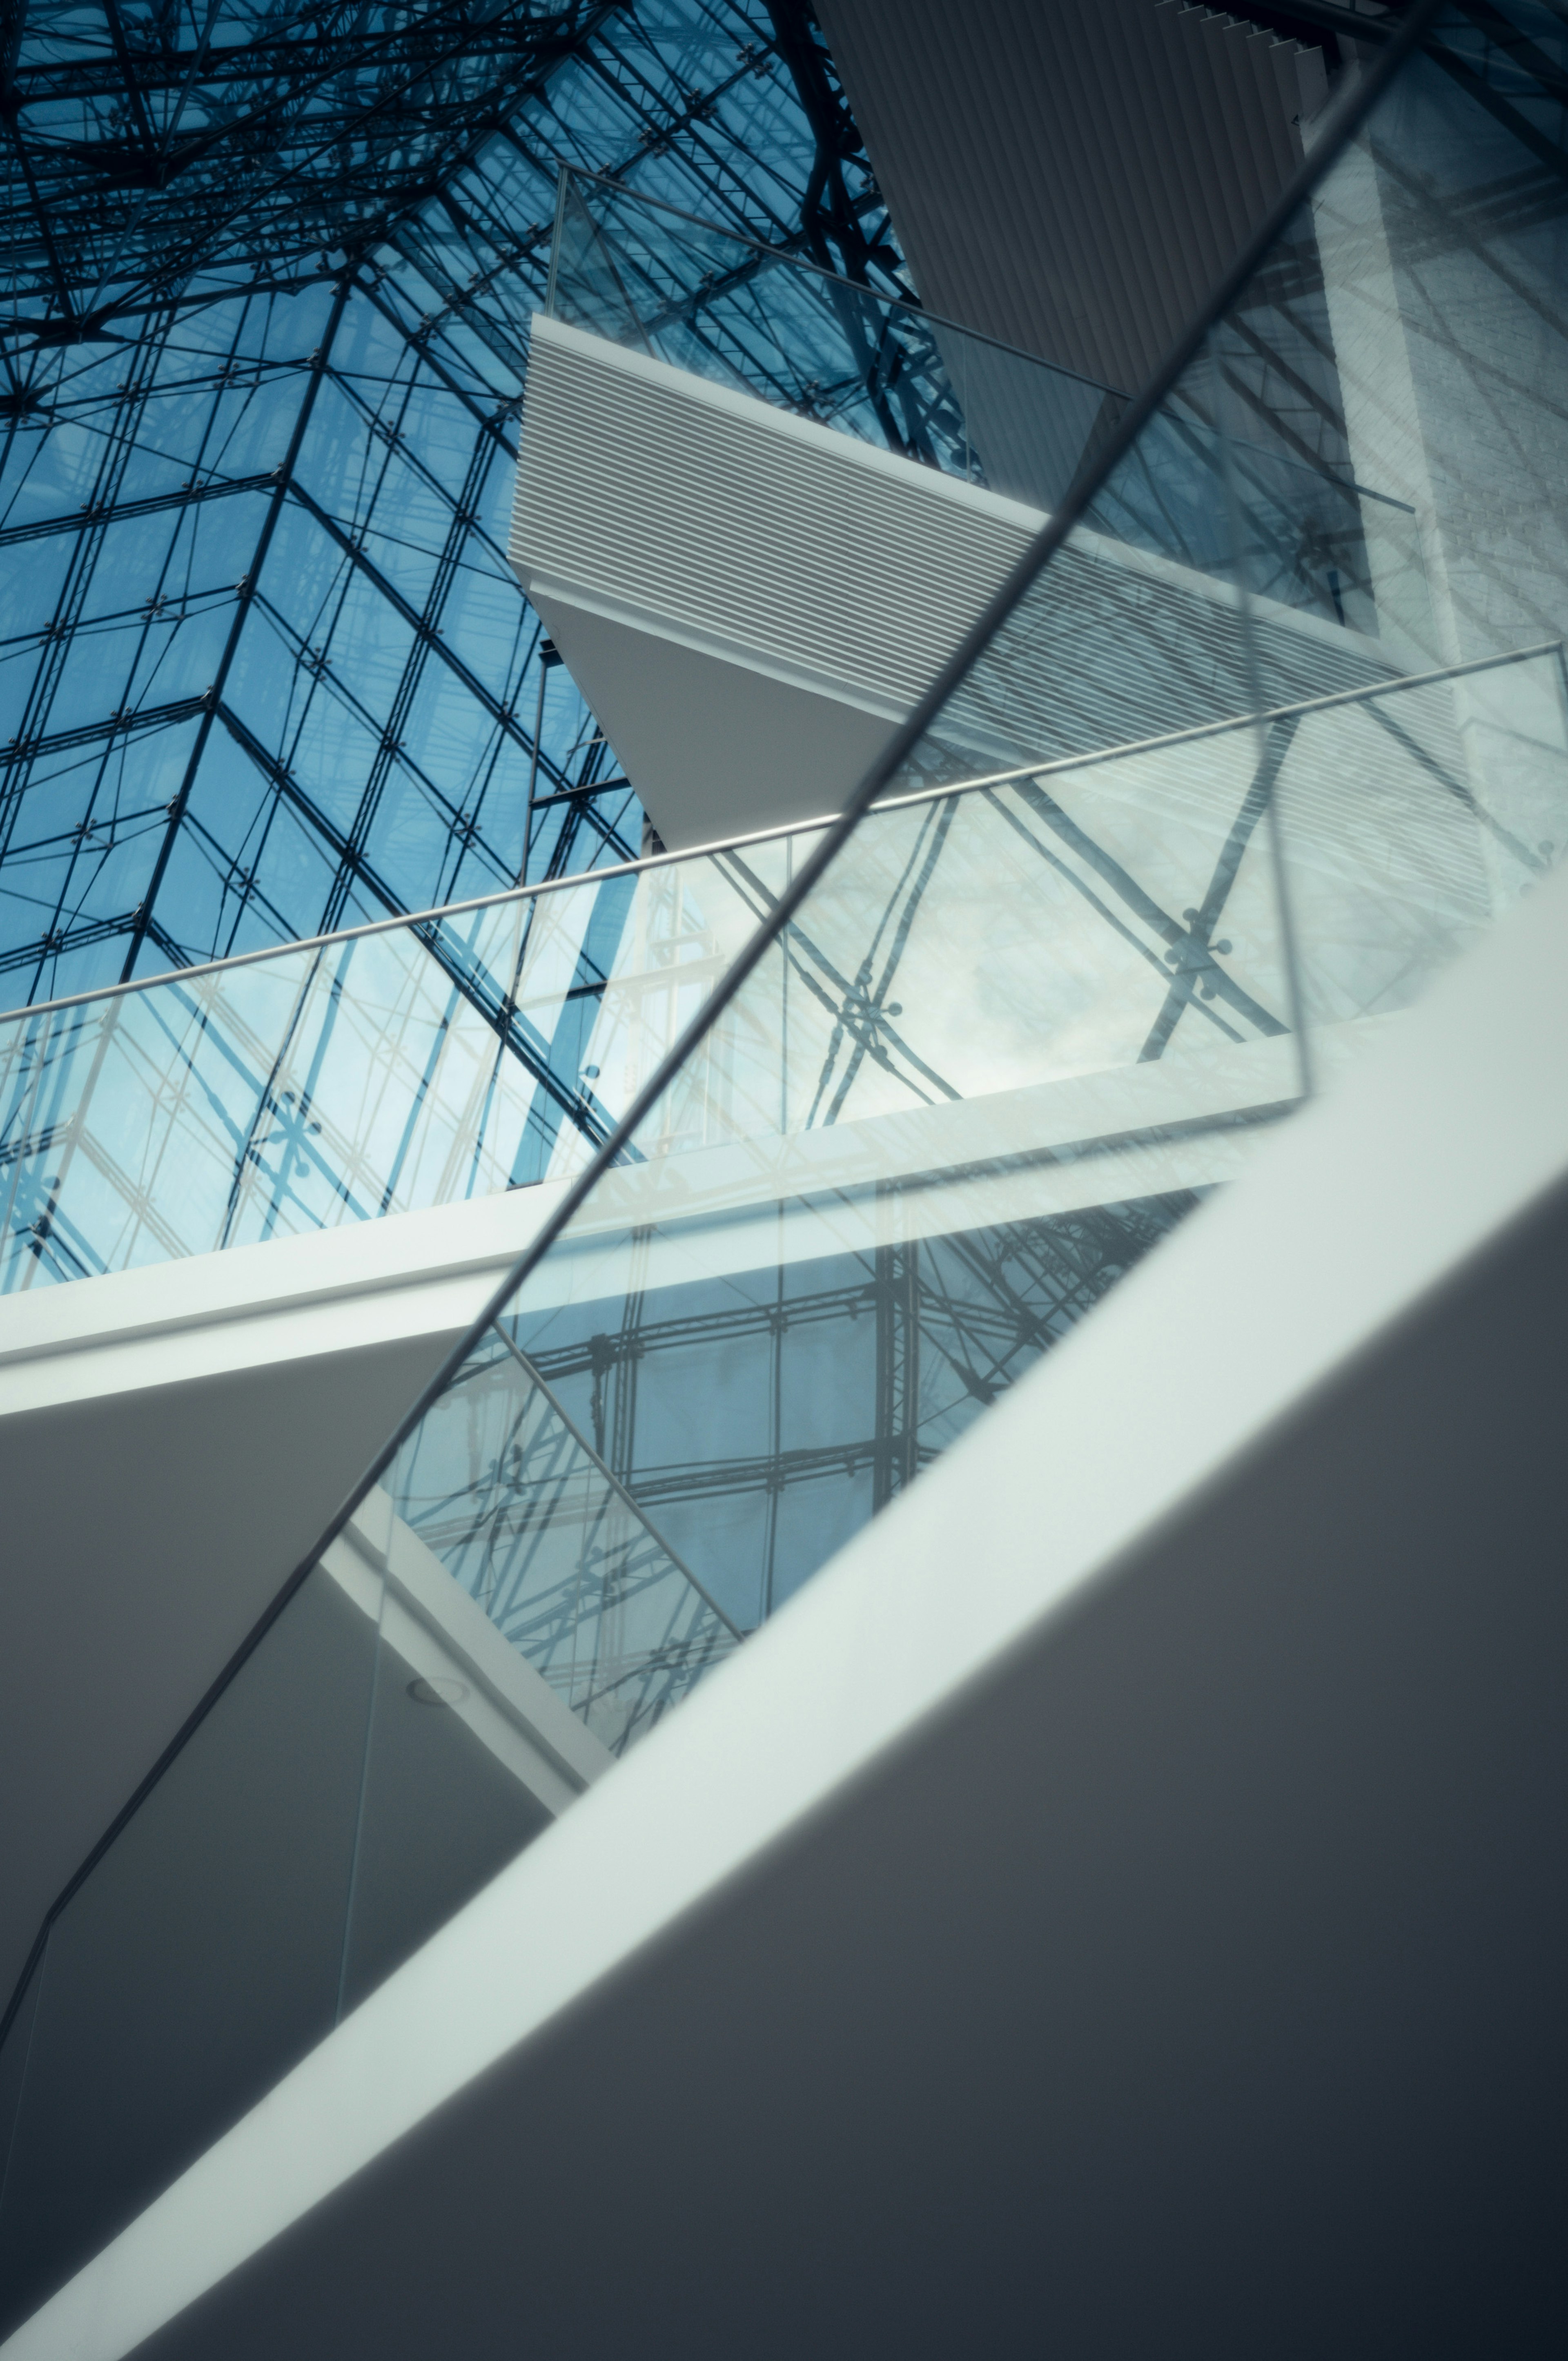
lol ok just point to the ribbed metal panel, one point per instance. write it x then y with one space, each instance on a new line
1110 648
1072 176
713 513
704 520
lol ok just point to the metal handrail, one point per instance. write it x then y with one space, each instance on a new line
717 846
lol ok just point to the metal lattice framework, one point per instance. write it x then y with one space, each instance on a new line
914 1340
553 1489
269 275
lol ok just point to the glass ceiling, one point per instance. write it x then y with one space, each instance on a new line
269 275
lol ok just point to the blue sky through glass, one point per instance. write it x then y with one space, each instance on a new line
264 668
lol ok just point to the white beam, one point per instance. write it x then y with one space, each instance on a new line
1356 1217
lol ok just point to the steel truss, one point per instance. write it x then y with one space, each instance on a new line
264 333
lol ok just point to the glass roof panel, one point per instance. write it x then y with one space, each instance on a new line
262 379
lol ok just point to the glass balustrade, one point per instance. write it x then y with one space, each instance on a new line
1017 1031
974 1055
389 1068
987 938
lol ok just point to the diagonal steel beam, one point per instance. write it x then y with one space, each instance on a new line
242 610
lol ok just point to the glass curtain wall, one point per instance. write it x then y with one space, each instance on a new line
264 668
868 1196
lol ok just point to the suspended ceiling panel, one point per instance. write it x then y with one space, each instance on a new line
1072 176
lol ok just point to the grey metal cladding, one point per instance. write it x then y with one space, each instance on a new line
1072 176
715 512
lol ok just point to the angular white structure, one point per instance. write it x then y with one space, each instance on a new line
1087 1647
222 1407
752 602
1053 1810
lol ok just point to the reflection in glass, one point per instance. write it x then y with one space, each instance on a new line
565 1561
872 366
1017 1032
473 1051
1236 776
